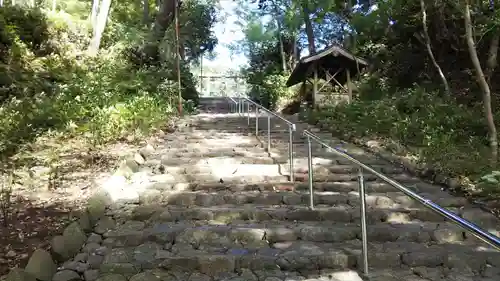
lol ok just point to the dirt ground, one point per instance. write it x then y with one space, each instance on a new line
45 187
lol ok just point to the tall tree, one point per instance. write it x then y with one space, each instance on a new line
429 49
93 12
483 84
102 19
145 12
163 20
306 14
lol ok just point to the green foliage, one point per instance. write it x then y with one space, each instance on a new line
489 184
450 136
47 85
274 91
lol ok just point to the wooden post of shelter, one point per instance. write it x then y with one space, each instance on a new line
315 84
349 86
334 65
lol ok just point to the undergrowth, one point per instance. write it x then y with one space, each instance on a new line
442 134
47 84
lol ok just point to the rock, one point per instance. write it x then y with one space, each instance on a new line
427 258
127 168
126 269
346 276
57 246
139 159
94 238
149 255
453 183
90 248
213 265
75 266
112 277
146 151
96 206
66 275
119 255
91 275
74 238
82 257
104 224
448 235
85 222
41 265
102 251
145 276
18 274
95 261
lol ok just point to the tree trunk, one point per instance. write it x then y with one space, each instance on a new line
483 84
280 38
294 57
429 50
93 13
309 30
163 20
102 18
352 35
145 12
54 5
491 64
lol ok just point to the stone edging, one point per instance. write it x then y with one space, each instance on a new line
43 265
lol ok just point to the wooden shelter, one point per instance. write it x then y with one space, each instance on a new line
334 65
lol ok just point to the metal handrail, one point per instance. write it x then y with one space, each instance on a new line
272 113
472 228
233 105
291 127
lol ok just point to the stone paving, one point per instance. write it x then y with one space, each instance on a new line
214 205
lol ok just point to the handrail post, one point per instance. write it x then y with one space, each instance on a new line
269 134
256 121
290 152
310 173
248 113
364 236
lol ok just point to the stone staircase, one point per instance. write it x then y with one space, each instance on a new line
219 207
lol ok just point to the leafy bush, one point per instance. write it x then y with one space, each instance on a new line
101 98
450 136
271 91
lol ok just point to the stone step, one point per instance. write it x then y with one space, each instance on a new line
217 176
216 159
308 258
348 186
213 144
229 169
387 200
200 160
220 262
256 235
234 176
257 158
341 213
327 159
208 151
273 169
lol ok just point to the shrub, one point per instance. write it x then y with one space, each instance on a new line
101 98
450 136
